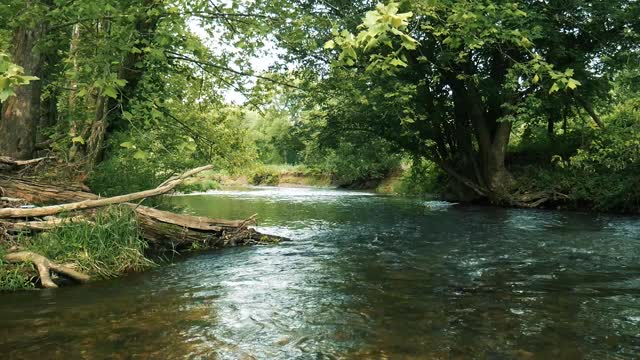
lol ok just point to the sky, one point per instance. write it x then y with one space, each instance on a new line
258 64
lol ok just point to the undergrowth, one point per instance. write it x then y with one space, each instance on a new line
109 246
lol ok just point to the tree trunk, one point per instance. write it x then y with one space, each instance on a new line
39 193
21 113
498 177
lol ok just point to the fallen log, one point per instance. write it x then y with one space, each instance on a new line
166 230
161 229
164 188
45 267
35 192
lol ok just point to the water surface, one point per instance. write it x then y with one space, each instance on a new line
364 277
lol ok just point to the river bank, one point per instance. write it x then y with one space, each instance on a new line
557 188
87 237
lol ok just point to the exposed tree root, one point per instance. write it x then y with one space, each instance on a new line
45 267
534 200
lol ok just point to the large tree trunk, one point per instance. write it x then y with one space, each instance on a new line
21 113
38 193
498 177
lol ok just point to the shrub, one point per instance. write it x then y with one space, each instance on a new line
263 175
199 185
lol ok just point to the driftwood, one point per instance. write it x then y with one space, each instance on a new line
166 230
161 229
45 267
164 188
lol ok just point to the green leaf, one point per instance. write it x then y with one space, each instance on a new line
536 79
573 84
110 92
6 93
554 88
77 139
127 145
398 62
330 44
140 155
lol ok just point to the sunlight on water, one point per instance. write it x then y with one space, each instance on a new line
364 277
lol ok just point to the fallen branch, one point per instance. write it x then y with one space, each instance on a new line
45 266
164 188
38 226
12 163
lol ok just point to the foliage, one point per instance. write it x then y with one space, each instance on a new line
120 175
11 76
274 137
580 189
351 161
618 148
451 81
199 185
108 247
423 178
263 175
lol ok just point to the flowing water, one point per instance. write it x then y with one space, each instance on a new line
364 277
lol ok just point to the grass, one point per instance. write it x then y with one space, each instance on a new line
199 185
110 246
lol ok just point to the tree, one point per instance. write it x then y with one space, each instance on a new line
21 111
448 80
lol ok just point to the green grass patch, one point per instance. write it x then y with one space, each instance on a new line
110 246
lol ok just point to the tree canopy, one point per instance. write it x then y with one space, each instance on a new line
482 89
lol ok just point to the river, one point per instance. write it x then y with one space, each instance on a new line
364 277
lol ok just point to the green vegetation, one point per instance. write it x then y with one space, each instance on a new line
108 247
513 103
264 176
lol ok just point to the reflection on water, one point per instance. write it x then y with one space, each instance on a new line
364 277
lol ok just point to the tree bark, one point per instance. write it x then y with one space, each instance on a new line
39 193
166 230
589 109
21 113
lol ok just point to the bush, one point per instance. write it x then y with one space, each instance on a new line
122 175
601 191
199 185
263 175
423 178
353 162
